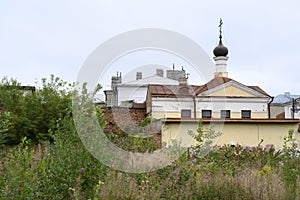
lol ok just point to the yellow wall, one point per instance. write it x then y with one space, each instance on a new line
259 115
160 115
238 115
216 114
247 134
173 115
231 91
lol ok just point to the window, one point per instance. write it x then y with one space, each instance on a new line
185 113
206 113
246 114
225 113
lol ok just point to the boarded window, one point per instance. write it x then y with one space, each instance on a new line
206 113
246 114
185 113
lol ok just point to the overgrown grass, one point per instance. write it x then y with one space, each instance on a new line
65 170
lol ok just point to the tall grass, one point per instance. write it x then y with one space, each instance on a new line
65 170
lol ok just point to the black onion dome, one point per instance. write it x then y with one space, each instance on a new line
220 50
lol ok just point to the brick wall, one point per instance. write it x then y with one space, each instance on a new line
122 118
128 120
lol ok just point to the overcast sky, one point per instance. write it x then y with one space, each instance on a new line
39 38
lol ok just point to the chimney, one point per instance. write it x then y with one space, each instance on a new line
160 72
116 80
139 75
182 81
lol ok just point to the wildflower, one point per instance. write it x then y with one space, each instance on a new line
177 170
81 170
266 170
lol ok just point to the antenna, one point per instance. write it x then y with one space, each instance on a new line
187 75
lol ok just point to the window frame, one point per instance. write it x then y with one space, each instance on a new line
186 110
227 114
210 112
245 111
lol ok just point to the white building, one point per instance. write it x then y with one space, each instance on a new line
286 106
123 94
292 109
222 97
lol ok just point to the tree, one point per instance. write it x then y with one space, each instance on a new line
36 113
204 138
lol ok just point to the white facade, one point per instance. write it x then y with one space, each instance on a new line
131 93
137 90
125 94
171 107
288 112
231 97
257 106
221 66
167 107
282 105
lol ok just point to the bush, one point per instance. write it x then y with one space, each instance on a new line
33 114
64 169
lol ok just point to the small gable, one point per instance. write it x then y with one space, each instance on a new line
231 91
229 88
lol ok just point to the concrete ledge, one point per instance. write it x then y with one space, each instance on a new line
231 120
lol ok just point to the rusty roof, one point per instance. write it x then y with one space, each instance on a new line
193 90
212 84
172 90
258 89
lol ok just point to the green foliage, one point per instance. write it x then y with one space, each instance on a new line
33 114
5 123
61 170
291 164
101 120
134 142
70 165
64 169
290 145
146 121
17 174
204 138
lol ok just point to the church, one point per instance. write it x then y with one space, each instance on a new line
241 112
221 97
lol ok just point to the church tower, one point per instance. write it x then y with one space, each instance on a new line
220 58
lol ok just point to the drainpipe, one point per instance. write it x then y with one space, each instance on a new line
194 101
293 108
269 109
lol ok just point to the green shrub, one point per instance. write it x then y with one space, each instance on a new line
34 113
64 169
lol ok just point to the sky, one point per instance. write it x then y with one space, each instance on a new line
39 38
